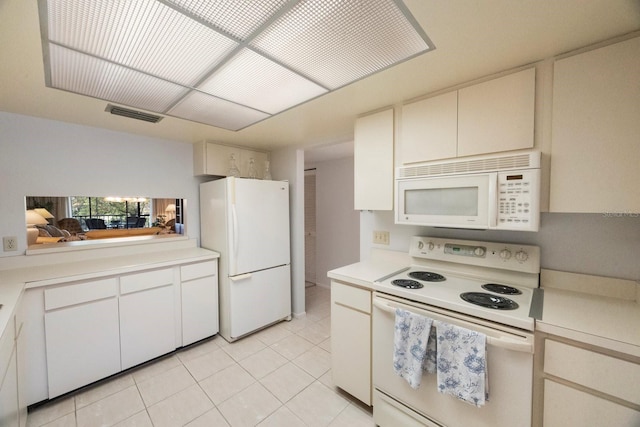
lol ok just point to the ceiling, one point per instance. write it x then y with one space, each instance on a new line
473 38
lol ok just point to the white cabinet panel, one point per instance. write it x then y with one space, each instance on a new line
9 413
199 309
83 344
351 340
373 161
147 325
497 115
215 159
197 270
595 150
430 129
568 407
607 374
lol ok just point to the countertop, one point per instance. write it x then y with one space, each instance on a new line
599 311
380 264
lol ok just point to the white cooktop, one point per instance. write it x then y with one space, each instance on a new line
467 265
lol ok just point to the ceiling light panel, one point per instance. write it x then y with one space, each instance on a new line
203 108
75 72
253 80
237 18
336 42
142 34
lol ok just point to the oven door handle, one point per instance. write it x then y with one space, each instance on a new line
504 342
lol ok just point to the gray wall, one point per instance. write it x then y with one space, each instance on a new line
40 157
581 243
337 223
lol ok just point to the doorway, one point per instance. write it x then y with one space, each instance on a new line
310 227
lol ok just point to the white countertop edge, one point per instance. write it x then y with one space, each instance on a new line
118 265
598 341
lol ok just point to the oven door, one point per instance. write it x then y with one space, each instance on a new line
509 367
465 201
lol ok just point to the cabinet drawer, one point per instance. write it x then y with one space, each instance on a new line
147 280
201 269
350 296
607 374
568 407
79 293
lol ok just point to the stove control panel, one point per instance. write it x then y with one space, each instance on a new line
507 256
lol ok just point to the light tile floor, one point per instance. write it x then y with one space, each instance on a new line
280 376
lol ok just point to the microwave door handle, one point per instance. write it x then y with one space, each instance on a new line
493 197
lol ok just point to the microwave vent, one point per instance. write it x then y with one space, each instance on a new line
487 164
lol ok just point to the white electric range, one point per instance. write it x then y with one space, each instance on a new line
487 287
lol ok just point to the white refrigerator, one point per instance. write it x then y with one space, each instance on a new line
247 222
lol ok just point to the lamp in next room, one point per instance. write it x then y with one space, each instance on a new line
33 218
171 211
44 213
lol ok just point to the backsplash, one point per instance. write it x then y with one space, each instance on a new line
596 244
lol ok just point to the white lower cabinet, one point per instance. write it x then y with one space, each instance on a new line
79 332
199 292
9 409
82 334
147 316
351 340
584 386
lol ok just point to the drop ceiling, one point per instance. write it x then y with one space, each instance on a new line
473 39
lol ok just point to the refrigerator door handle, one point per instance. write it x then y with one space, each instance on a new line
234 221
240 277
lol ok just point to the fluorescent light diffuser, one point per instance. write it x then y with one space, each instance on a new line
227 63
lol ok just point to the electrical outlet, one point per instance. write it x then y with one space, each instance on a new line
10 243
381 237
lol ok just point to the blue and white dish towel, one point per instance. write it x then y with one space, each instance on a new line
462 363
410 341
456 354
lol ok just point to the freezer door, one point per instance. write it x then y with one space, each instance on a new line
259 225
258 299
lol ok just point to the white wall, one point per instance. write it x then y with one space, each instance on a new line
337 223
41 157
288 164
580 243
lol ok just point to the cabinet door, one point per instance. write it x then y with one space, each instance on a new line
568 407
595 150
430 129
373 162
83 344
497 115
351 345
9 393
259 159
218 160
199 309
147 316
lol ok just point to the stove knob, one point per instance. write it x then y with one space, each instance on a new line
478 251
522 256
505 254
420 245
431 246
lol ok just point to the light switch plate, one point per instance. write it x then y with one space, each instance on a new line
381 237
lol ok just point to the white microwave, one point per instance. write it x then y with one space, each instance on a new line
489 193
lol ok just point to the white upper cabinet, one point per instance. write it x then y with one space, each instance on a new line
430 128
595 147
489 117
497 115
373 161
215 159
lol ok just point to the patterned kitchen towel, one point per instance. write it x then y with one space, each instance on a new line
461 363
410 340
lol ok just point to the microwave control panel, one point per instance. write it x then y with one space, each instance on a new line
518 199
